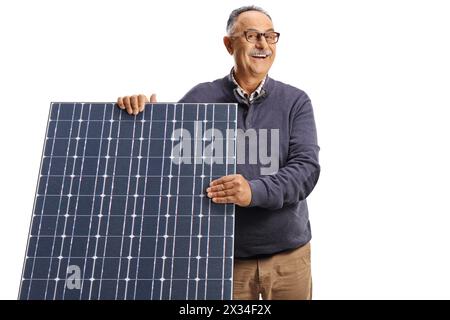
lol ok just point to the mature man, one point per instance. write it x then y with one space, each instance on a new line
272 250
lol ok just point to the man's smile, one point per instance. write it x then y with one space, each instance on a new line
260 54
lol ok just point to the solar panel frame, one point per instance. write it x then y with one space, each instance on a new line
51 281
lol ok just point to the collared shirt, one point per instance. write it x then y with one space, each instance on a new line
255 94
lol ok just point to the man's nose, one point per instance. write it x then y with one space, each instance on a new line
261 43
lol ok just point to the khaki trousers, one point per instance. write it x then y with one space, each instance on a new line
282 276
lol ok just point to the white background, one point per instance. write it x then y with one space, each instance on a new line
377 73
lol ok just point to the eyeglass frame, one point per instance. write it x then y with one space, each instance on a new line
259 35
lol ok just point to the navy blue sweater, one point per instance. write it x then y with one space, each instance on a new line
277 218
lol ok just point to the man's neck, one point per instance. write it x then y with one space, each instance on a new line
247 82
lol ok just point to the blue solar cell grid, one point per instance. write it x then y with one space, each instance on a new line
120 210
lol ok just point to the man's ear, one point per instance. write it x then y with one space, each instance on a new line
228 44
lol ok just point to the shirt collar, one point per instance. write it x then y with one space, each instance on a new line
255 94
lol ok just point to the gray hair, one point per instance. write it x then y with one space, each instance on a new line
236 12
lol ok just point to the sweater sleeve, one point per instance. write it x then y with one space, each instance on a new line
297 178
190 96
196 95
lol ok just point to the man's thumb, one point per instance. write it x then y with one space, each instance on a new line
153 98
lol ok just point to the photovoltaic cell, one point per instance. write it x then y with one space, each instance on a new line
120 210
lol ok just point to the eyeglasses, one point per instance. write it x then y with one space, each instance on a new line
253 36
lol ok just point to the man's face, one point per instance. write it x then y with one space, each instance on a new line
251 59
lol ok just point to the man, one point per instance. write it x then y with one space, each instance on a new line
272 251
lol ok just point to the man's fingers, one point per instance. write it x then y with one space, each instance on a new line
134 104
221 187
229 199
222 180
142 99
127 103
220 194
120 103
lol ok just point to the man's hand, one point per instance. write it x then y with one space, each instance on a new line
134 104
230 189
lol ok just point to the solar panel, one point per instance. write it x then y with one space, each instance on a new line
120 210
